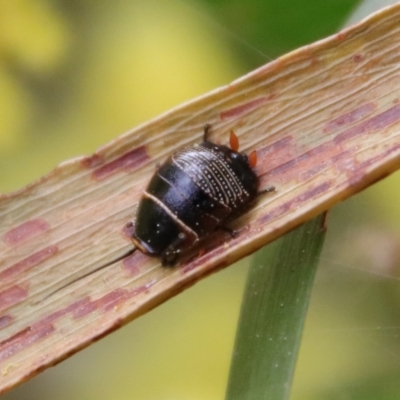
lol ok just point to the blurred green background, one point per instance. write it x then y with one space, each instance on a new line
75 74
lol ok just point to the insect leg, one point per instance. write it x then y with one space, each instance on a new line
207 128
170 255
232 232
267 190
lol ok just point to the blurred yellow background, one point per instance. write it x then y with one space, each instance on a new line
75 74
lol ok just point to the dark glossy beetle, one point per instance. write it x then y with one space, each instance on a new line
197 190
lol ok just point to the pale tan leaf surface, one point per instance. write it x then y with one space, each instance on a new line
325 121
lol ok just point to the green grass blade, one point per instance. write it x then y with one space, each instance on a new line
273 312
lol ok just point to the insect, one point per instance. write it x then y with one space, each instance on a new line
196 191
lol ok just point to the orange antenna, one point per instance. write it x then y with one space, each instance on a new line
253 159
234 141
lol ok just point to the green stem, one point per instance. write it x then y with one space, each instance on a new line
272 316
